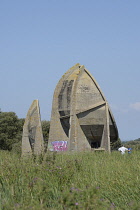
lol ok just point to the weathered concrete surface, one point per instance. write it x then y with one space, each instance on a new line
81 117
32 138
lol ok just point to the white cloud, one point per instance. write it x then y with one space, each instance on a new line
119 108
114 107
135 106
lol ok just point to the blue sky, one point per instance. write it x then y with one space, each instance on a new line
41 40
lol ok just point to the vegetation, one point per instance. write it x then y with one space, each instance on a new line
134 144
90 180
45 129
70 181
115 145
11 128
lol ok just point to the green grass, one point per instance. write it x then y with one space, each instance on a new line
70 181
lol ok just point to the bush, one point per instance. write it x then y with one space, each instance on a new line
10 130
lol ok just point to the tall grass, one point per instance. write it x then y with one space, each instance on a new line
70 181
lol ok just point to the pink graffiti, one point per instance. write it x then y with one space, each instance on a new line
59 145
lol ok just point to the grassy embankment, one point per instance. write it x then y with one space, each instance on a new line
70 181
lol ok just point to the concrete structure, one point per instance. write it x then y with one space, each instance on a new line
32 138
81 118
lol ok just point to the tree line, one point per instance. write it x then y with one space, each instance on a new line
134 144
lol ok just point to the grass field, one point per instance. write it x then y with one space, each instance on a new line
70 181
